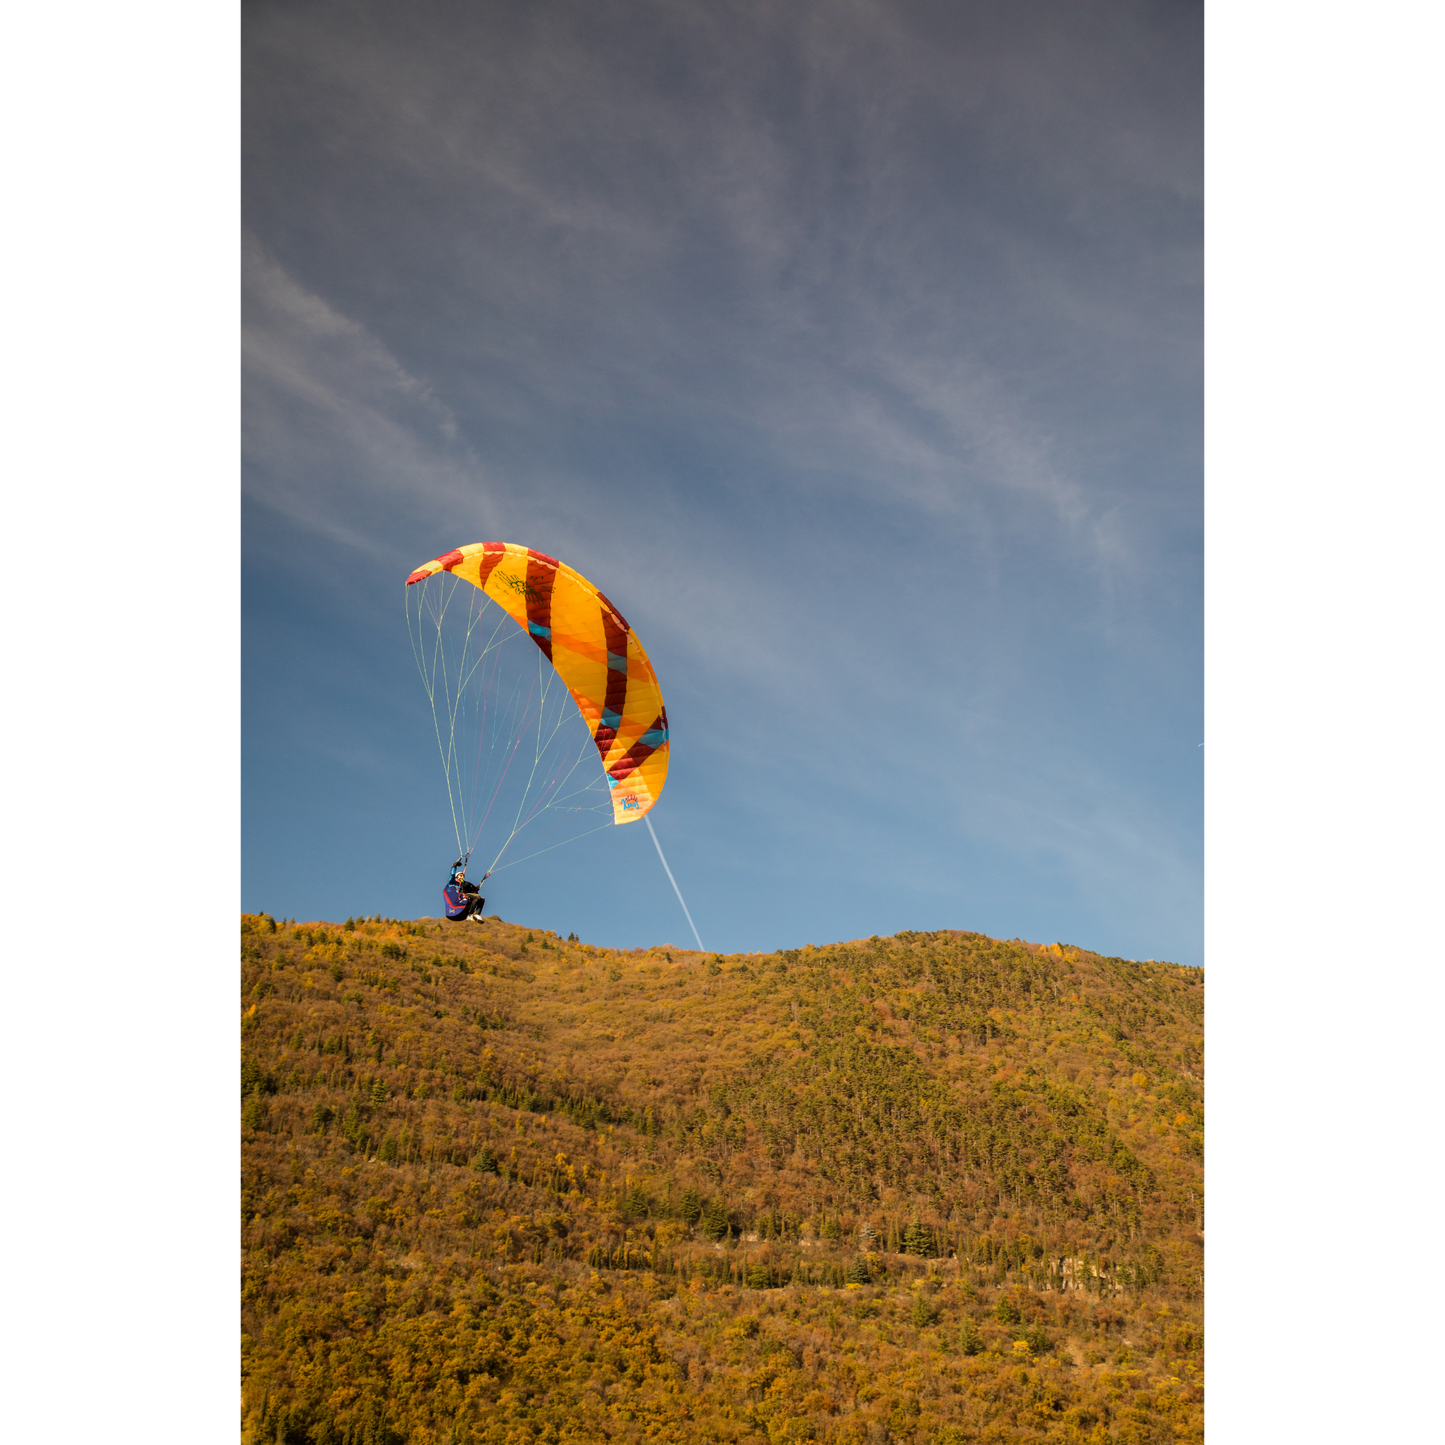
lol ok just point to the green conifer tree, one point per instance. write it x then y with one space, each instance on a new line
714 1220
918 1239
253 1113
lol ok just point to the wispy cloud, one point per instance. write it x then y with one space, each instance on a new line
336 429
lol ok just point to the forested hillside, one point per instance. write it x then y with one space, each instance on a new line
501 1187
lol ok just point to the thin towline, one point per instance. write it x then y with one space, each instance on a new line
673 881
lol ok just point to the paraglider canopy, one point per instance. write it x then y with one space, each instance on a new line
594 651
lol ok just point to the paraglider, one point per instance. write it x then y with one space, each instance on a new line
462 898
514 737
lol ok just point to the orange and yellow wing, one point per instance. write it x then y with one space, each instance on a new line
595 652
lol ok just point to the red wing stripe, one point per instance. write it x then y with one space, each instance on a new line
541 578
635 756
492 553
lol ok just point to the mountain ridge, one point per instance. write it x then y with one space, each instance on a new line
992 1127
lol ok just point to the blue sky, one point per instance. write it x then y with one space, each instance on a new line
853 350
